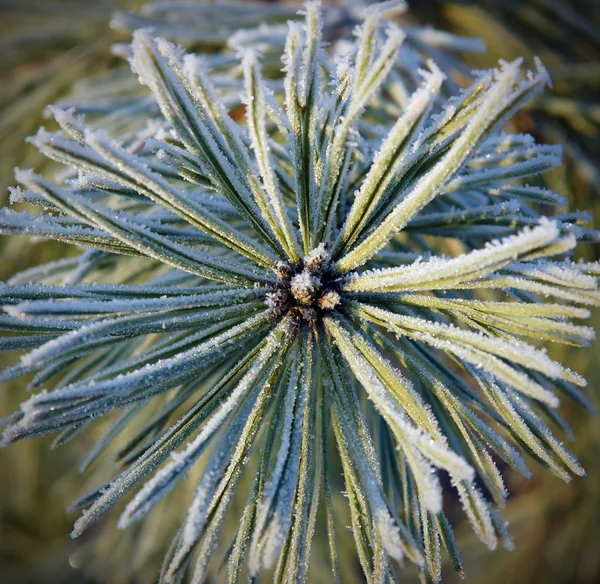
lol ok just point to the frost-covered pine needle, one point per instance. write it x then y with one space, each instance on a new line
298 254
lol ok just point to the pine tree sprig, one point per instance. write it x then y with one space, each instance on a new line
342 265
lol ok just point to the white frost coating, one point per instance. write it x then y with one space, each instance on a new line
268 204
128 325
223 470
276 507
503 142
501 282
196 186
369 75
109 331
378 68
420 413
266 552
543 431
504 150
255 108
429 185
156 488
501 528
134 234
347 431
592 268
367 36
496 173
455 108
505 309
460 215
498 368
105 292
513 349
195 70
302 125
411 438
304 286
154 373
89 306
488 435
435 272
562 274
510 410
308 72
390 157
527 319
13 222
354 438
478 512
177 200
158 64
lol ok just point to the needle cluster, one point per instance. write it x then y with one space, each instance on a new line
334 277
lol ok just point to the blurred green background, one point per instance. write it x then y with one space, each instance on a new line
46 46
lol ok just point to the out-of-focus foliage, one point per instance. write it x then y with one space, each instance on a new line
565 34
45 47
